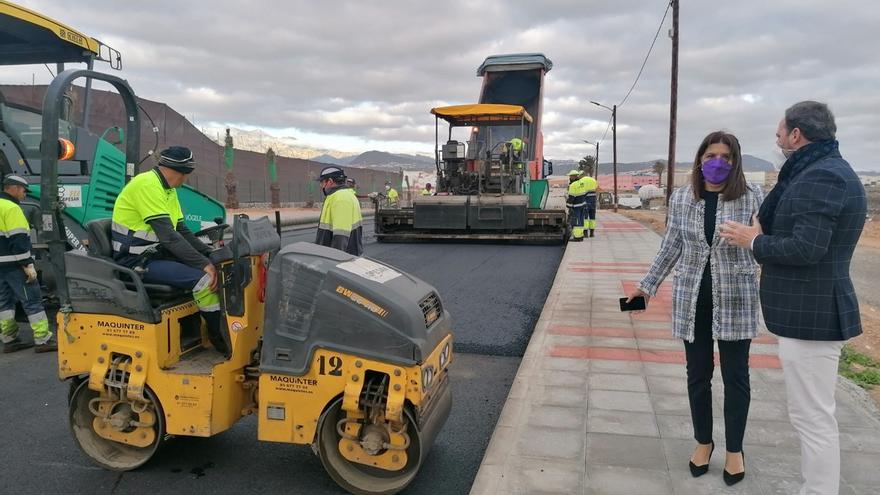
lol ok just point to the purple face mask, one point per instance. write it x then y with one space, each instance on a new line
716 170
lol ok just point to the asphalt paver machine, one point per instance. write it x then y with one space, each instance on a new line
492 186
342 353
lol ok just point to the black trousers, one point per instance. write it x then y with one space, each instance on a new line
734 372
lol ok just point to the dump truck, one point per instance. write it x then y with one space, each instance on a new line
491 187
93 170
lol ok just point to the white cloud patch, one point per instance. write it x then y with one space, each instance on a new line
357 74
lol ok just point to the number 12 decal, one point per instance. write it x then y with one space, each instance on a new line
335 363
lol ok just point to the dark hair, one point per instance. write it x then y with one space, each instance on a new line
814 119
735 186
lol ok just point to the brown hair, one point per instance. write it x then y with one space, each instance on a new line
735 186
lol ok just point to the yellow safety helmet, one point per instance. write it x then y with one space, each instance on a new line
575 172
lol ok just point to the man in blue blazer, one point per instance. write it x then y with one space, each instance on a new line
804 238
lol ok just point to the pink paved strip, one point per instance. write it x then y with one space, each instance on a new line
647 356
642 333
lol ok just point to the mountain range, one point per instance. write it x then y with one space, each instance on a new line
750 164
259 141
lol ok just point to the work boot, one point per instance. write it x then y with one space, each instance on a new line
16 345
50 345
577 239
592 233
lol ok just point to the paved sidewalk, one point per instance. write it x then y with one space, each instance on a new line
599 404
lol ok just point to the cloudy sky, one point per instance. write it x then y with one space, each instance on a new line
358 75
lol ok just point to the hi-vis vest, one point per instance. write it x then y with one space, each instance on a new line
143 199
15 240
577 193
590 185
340 223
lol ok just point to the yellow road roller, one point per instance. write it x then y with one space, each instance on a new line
342 353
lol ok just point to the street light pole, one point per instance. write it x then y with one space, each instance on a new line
613 111
614 137
596 167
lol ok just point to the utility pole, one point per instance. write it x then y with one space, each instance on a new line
673 105
614 138
613 110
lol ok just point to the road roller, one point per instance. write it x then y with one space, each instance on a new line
341 353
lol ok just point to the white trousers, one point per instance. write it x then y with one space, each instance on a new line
810 371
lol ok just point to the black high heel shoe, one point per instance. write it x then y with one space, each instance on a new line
732 479
697 471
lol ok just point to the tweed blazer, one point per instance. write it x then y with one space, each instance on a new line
734 270
806 290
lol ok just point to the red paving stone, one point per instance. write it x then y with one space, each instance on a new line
641 333
647 356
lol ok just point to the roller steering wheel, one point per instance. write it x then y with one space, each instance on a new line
214 230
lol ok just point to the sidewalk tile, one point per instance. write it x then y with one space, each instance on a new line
625 451
859 469
860 439
499 446
778 434
614 342
609 366
543 476
562 378
681 427
551 442
626 383
768 410
712 484
565 364
558 417
610 480
667 385
620 401
671 404
665 369
563 396
622 423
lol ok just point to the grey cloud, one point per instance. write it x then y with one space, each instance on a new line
374 69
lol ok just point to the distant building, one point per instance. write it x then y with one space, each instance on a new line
627 182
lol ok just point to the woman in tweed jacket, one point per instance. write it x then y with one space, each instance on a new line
714 292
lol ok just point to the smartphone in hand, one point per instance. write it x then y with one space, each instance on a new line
637 304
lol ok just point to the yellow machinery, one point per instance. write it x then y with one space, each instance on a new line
352 359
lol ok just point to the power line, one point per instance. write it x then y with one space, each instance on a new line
606 130
646 56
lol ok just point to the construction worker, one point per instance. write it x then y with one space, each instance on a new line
427 190
340 223
576 201
18 277
391 194
351 184
149 234
511 152
591 186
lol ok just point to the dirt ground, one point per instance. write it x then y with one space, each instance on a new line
869 249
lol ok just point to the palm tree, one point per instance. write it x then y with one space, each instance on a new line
659 168
587 164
